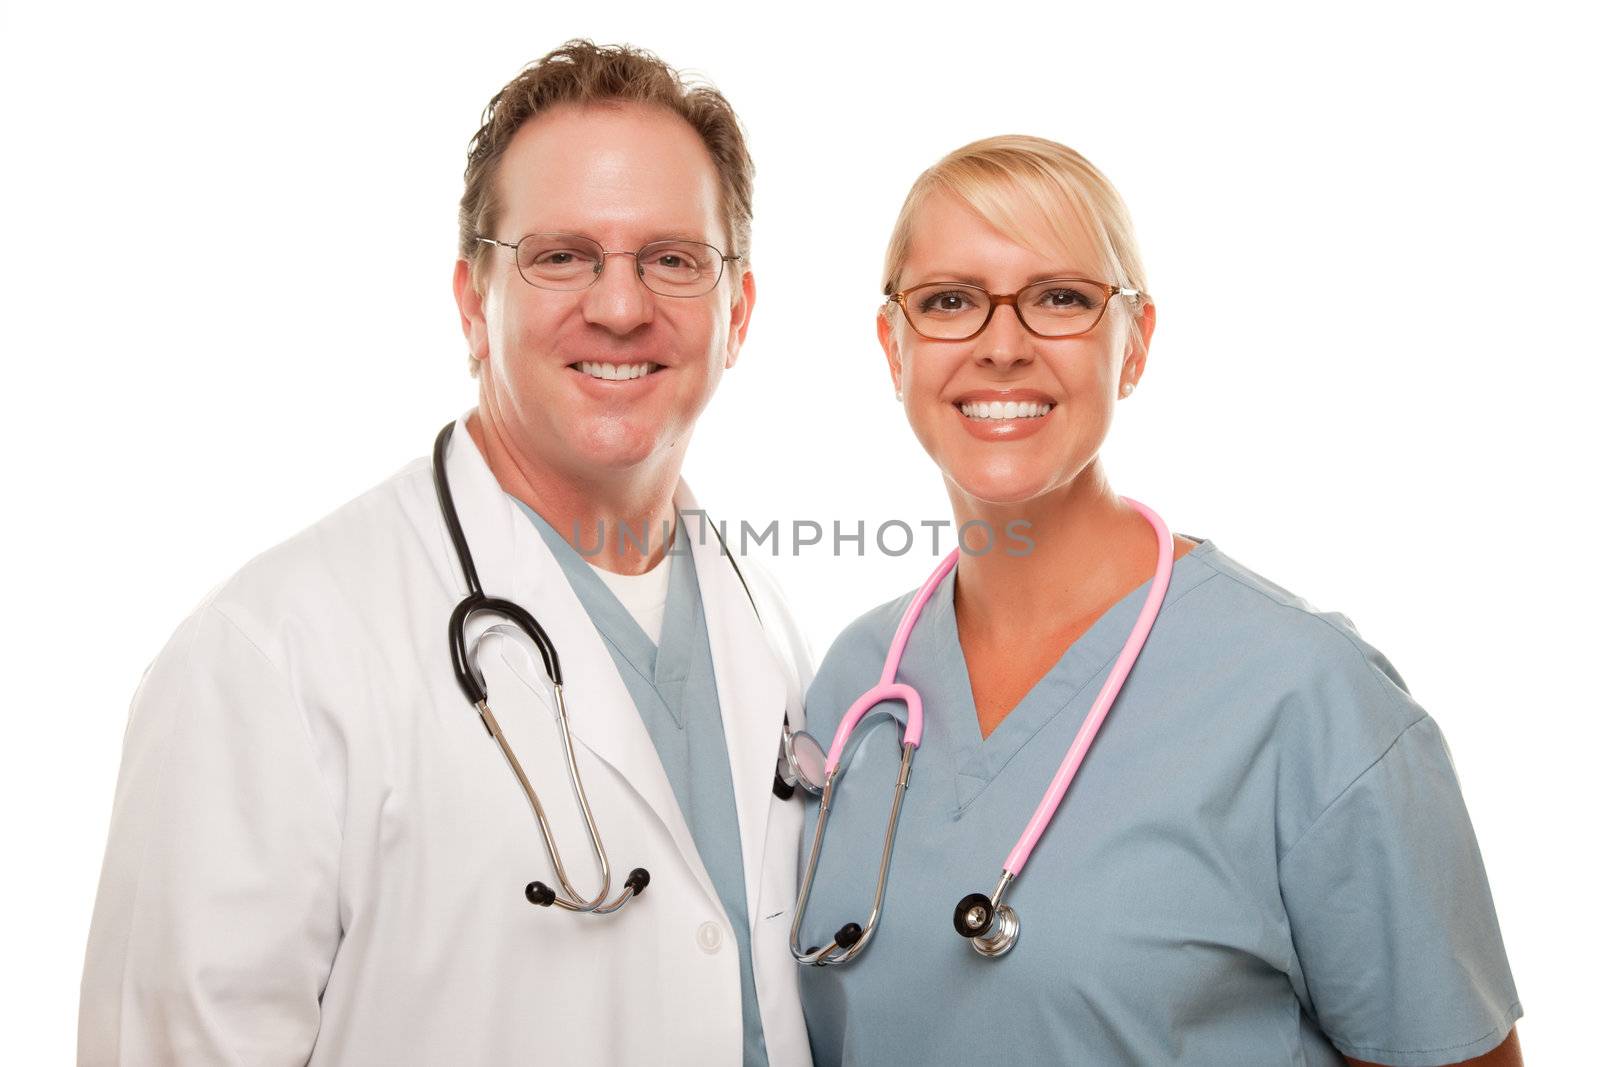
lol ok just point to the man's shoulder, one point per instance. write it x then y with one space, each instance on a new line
336 561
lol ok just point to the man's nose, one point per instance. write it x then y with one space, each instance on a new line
618 299
1005 342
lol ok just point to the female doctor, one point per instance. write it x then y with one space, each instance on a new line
1264 856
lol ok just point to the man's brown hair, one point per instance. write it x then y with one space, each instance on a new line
582 72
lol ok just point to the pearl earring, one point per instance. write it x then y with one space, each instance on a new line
897 395
1127 388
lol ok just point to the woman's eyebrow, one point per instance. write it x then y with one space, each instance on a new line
962 278
936 276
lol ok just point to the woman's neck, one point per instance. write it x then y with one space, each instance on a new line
1016 615
1088 550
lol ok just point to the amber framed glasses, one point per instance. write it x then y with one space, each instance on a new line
567 262
1051 309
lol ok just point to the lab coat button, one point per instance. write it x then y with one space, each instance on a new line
709 937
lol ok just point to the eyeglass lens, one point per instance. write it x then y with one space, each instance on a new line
670 268
1056 308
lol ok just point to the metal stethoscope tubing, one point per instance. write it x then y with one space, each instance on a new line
851 939
471 683
990 925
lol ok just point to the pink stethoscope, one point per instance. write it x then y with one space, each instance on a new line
991 925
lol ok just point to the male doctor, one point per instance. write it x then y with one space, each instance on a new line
318 853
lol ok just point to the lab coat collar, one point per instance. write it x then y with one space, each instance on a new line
750 685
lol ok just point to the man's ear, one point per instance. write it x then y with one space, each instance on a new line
891 347
470 303
739 317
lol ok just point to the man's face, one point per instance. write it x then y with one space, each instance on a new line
623 175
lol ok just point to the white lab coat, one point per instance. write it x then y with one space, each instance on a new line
318 854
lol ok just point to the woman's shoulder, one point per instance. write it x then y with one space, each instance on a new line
1255 612
1308 671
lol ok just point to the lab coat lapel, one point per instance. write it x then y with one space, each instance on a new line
750 688
510 555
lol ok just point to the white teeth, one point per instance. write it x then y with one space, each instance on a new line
1007 409
617 372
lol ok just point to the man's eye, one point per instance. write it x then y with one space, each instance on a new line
675 260
559 257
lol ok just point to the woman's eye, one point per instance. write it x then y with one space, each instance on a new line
950 300
1063 298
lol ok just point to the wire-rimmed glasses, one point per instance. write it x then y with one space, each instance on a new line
568 262
1051 309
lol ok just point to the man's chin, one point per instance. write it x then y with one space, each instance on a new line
610 450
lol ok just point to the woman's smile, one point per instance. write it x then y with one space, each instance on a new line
1003 414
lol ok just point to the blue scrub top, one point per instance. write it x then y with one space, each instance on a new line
675 689
1265 857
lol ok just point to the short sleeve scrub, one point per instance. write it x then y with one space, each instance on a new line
1264 858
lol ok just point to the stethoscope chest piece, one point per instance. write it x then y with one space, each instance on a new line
991 928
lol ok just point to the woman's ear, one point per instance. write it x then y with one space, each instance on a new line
1140 331
891 347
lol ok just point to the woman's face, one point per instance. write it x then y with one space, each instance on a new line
1074 381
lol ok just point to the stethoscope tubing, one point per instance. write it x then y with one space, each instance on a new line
1062 780
472 686
887 688
990 925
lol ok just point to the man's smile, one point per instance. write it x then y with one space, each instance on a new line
614 372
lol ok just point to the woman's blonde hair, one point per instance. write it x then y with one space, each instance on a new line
1040 194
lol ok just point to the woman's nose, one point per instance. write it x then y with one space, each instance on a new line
1004 343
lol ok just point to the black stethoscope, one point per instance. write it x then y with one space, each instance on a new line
471 682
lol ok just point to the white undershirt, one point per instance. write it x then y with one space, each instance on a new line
644 595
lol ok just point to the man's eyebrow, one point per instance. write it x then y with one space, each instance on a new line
681 235
660 235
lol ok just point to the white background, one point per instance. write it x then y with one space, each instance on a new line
1370 230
